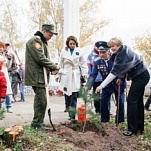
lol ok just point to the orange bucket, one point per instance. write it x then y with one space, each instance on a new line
82 113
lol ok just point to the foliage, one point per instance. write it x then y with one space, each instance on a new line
143 44
94 118
89 23
2 112
42 11
38 12
9 27
32 138
88 98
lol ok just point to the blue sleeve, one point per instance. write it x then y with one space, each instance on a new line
89 63
93 76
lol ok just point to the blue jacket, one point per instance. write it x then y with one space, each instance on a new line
104 69
90 60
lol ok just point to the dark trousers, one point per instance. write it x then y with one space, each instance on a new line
40 104
97 104
105 104
135 105
66 102
72 103
148 102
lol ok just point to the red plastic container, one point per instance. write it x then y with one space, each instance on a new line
81 113
59 93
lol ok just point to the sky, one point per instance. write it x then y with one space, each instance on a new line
127 19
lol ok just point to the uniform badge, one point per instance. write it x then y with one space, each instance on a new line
65 89
77 53
37 45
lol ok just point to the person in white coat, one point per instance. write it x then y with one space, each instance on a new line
71 62
6 59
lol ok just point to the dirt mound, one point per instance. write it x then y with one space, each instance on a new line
109 138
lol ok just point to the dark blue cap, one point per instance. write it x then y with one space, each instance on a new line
103 46
98 44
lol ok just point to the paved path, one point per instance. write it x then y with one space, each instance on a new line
23 111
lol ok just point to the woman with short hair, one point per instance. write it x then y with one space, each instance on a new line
130 63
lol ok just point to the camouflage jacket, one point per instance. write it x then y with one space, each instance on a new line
35 60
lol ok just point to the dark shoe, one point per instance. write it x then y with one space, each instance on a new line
21 100
129 133
71 118
36 125
43 128
147 109
140 132
66 110
97 112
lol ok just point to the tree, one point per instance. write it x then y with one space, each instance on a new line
90 23
52 10
9 28
143 44
40 12
48 10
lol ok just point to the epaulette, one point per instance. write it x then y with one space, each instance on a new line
96 59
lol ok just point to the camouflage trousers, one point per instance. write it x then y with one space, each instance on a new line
40 104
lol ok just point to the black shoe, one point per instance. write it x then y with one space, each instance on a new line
129 133
36 125
147 109
71 118
43 128
40 127
140 132
21 100
66 110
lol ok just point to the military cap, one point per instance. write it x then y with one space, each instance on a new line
50 28
98 44
103 46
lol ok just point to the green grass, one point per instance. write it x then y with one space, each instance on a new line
2 112
32 138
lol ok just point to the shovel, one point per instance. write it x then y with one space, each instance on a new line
47 95
49 114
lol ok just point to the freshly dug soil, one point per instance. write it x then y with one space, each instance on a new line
108 138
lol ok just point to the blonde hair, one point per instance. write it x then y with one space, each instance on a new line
115 41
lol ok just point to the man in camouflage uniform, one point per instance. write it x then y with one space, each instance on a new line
36 59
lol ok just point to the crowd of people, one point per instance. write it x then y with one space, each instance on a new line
11 77
110 65
107 69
